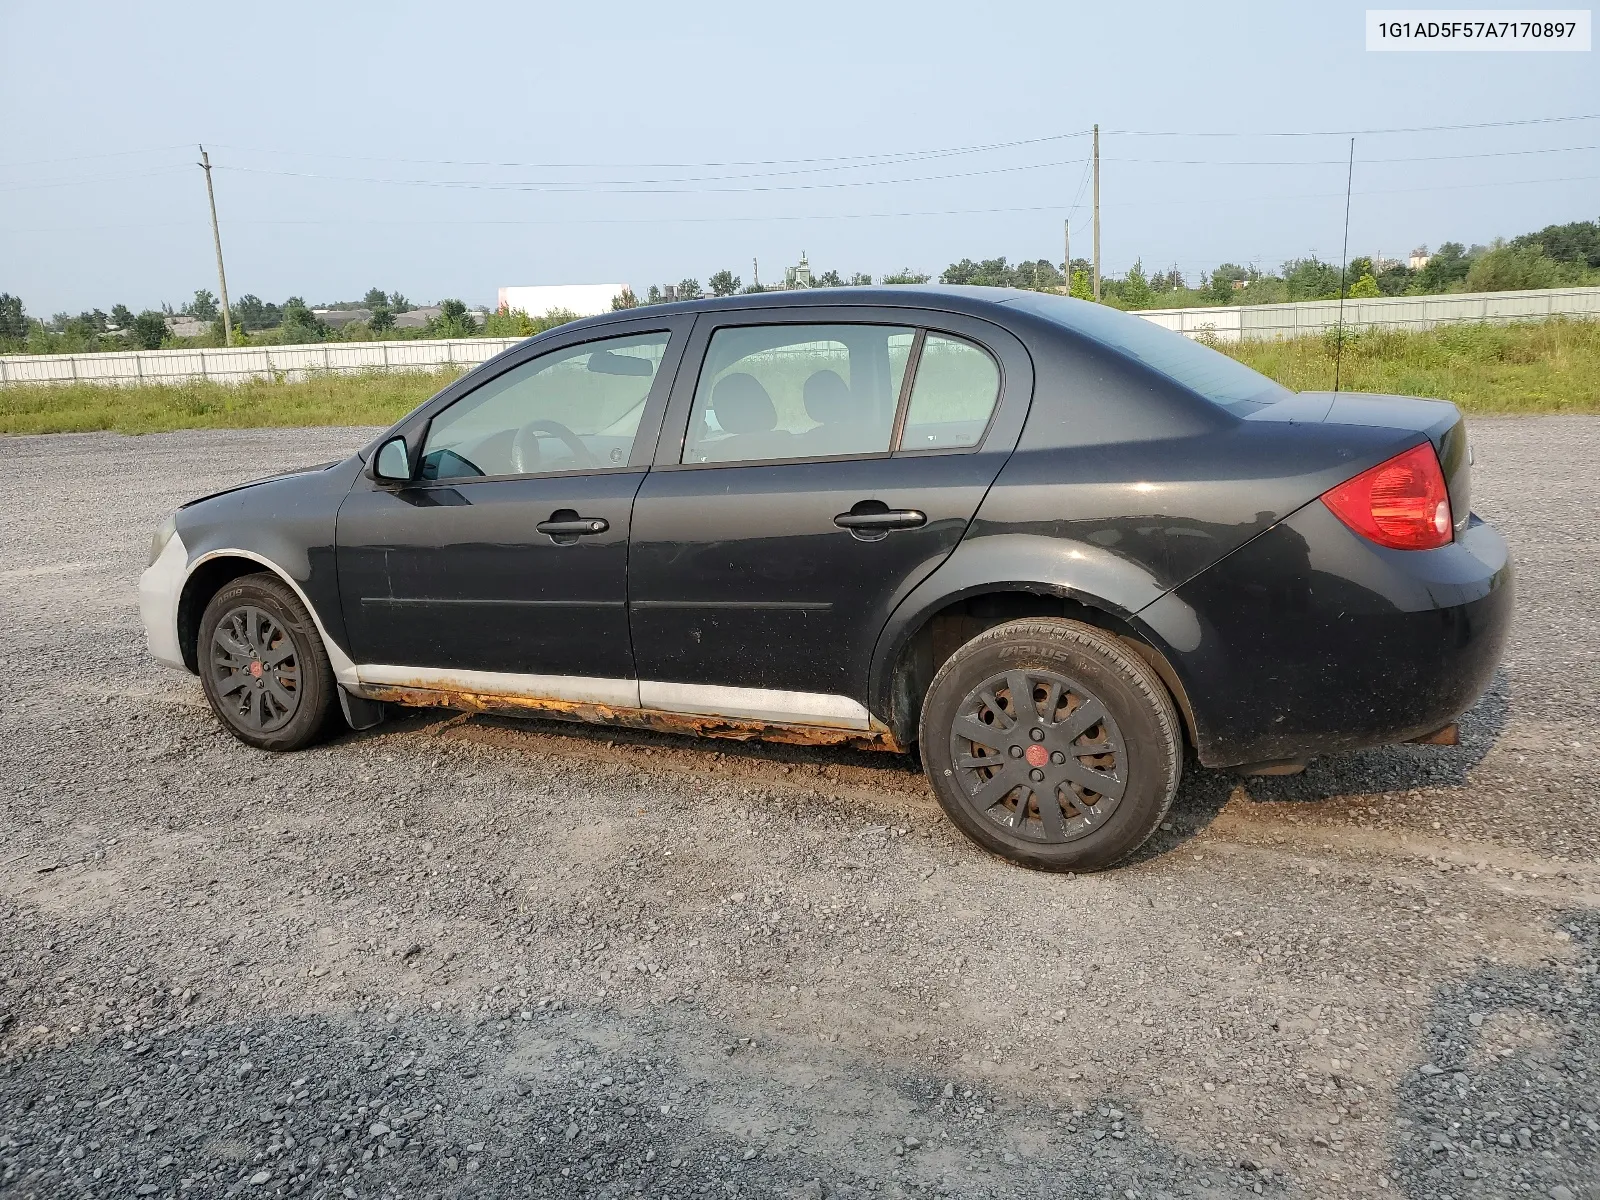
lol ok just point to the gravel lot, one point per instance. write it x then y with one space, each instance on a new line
474 957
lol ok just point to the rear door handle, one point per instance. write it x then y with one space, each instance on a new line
881 522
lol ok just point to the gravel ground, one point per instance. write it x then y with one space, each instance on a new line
463 956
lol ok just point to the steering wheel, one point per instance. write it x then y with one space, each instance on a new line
525 446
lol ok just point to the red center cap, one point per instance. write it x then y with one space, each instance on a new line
1037 755
255 669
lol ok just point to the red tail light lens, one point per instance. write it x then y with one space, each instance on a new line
1402 503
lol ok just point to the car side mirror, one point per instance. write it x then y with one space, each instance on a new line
392 463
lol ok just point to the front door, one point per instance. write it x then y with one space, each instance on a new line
824 469
507 553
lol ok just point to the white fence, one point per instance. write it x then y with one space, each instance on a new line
1268 321
236 364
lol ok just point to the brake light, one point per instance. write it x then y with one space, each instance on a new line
1402 503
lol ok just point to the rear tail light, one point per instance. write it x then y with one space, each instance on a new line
1402 503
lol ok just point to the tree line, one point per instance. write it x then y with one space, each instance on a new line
255 322
1556 256
726 283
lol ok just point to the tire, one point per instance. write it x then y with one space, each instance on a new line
1088 693
263 665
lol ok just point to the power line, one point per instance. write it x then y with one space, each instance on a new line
54 183
1083 183
1354 132
637 188
849 160
1185 201
892 157
646 187
631 187
1339 162
47 162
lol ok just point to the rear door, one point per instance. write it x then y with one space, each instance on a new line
815 465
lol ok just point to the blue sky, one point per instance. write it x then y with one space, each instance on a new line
357 143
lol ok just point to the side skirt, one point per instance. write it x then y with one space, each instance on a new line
695 724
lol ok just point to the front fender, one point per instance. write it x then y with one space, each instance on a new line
287 526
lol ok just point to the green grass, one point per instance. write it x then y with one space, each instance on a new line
1548 367
372 398
1545 367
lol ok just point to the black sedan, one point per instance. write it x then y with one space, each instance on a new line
1051 545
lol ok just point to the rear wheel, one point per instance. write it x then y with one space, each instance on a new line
263 665
1052 745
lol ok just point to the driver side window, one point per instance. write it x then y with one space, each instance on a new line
575 409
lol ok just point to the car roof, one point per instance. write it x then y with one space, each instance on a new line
976 301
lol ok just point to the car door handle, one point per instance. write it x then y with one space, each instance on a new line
877 522
573 526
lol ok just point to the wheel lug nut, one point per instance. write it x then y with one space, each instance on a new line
1036 775
1016 752
1058 758
1036 734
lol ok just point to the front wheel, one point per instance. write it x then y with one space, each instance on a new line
1051 745
263 665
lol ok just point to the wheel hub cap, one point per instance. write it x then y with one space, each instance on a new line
1037 753
254 669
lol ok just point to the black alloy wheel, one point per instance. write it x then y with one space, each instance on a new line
255 668
1052 743
1038 754
263 666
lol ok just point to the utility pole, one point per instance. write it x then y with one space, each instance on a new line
1066 263
1097 214
216 237
755 273
1344 262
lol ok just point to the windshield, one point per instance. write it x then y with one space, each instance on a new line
1224 381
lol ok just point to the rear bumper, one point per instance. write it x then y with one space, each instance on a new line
1311 639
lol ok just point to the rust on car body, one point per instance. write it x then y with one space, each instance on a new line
693 724
1446 735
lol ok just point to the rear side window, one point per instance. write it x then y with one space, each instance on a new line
797 391
1224 381
952 397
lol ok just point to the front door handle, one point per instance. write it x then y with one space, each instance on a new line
566 526
578 526
881 521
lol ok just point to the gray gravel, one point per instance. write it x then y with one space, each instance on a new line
475 957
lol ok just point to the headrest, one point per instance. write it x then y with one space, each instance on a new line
742 405
828 399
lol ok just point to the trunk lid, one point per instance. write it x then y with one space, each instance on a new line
1439 420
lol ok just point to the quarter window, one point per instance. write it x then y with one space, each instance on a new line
952 396
575 409
797 391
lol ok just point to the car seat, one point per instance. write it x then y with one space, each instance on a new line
747 415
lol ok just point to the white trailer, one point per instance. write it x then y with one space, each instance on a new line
585 299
